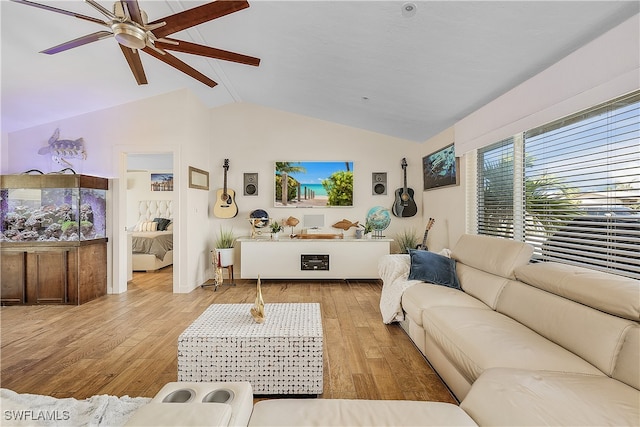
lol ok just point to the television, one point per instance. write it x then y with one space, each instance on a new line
313 184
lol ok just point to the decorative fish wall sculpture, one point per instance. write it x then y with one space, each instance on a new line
62 149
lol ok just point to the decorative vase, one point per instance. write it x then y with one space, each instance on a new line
257 311
226 256
358 234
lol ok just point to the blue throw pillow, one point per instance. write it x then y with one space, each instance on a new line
433 268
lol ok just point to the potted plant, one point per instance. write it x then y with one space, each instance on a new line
368 228
275 229
224 246
407 239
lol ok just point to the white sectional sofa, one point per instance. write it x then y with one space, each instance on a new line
518 343
526 343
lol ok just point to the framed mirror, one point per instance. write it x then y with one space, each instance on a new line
198 178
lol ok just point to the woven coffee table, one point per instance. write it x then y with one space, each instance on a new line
283 355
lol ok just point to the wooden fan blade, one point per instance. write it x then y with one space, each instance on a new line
169 59
89 38
197 49
62 11
192 17
134 10
135 63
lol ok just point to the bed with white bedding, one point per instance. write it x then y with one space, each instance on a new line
152 238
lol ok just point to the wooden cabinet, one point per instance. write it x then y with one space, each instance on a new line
71 273
13 276
47 274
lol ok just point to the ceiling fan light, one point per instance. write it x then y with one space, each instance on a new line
129 35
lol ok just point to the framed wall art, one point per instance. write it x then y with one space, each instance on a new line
441 168
161 182
313 184
198 178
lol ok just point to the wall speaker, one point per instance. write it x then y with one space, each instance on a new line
378 183
250 184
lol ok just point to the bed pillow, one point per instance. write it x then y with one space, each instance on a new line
162 223
170 226
433 268
148 226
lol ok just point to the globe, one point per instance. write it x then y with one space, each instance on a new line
379 217
259 214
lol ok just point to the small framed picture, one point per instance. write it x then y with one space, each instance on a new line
441 168
161 182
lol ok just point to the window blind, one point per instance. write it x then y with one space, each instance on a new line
574 185
582 178
495 189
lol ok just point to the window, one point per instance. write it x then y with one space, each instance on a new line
571 188
495 189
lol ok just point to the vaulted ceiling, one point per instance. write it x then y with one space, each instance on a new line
366 64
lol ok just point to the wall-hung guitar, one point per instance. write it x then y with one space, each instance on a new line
404 205
225 205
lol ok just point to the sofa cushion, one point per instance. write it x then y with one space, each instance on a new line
492 254
346 412
433 268
627 367
513 397
425 295
611 293
591 334
482 285
478 339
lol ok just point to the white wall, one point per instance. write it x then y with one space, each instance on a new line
253 138
175 123
447 204
606 68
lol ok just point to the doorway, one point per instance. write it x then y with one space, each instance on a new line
138 177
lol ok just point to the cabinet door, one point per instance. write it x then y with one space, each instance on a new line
47 276
12 276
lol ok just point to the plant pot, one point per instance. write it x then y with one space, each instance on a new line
226 256
275 236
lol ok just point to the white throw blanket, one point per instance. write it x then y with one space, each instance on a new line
394 272
37 410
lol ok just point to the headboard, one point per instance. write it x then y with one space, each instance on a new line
150 209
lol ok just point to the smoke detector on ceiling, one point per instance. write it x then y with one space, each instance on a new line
409 10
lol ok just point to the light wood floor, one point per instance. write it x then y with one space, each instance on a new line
127 344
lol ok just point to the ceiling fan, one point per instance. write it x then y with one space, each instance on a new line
129 26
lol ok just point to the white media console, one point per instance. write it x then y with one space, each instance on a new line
286 258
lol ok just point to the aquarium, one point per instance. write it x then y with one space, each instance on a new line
52 208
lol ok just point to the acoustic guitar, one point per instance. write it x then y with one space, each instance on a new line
225 205
423 246
404 205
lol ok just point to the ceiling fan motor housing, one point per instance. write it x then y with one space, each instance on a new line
129 35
